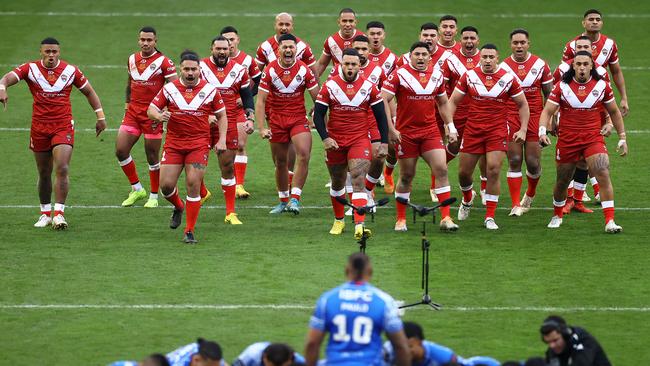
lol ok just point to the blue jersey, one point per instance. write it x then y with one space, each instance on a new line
479 360
124 363
183 356
355 314
434 355
252 355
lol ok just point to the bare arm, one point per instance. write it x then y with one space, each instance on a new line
619 80
313 93
400 345
455 99
447 117
524 112
321 64
394 136
128 93
312 347
96 105
8 80
617 120
260 117
222 124
550 109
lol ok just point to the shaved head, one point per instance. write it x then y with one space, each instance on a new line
284 16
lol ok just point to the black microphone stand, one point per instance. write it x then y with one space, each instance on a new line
362 211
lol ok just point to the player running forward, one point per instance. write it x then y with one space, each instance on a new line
486 130
345 139
286 80
379 53
51 138
337 42
448 27
233 82
192 104
148 70
239 56
534 76
355 314
604 52
579 97
418 87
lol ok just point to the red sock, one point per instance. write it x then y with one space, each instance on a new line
569 192
370 183
128 167
228 187
491 207
204 189
443 193
58 213
514 186
608 210
359 199
467 195
483 183
175 200
241 161
154 177
433 181
595 185
192 208
400 207
578 194
388 170
339 209
558 208
532 186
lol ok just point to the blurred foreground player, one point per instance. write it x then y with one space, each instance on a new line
191 104
423 352
50 81
269 354
570 345
355 314
200 353
155 359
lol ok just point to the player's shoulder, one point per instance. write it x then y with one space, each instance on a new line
382 295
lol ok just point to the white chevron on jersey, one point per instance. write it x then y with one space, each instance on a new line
605 52
66 78
533 75
342 98
336 51
148 72
407 79
596 94
295 83
205 95
234 75
499 87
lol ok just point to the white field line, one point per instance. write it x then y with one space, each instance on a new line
310 15
265 207
309 307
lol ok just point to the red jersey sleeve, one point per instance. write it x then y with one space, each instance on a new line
260 56
568 52
265 81
442 89
324 96
245 79
254 70
547 77
391 83
160 101
168 68
310 80
308 56
613 58
326 47
461 85
609 94
217 102
375 95
21 71
557 75
515 88
80 80
555 95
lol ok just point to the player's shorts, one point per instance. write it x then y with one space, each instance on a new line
283 128
137 124
44 136
460 127
414 147
573 147
481 141
232 137
441 124
175 156
360 149
373 133
532 133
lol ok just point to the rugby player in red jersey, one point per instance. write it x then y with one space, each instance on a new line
50 81
448 28
379 53
337 42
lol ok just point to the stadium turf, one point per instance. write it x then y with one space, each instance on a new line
87 285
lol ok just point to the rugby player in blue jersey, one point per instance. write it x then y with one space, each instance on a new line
269 354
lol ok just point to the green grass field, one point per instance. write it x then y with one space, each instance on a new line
495 287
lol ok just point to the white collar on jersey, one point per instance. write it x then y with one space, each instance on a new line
198 80
528 56
288 67
143 56
58 62
346 39
576 80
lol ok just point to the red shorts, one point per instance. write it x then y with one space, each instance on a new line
360 149
283 128
440 123
373 133
175 156
136 124
480 142
414 147
460 126
44 136
574 147
532 133
232 136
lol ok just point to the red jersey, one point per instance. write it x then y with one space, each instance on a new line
438 58
335 44
349 104
229 80
454 48
287 85
147 76
531 75
386 59
488 93
267 52
190 108
566 66
604 51
50 89
416 92
581 104
247 61
454 71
